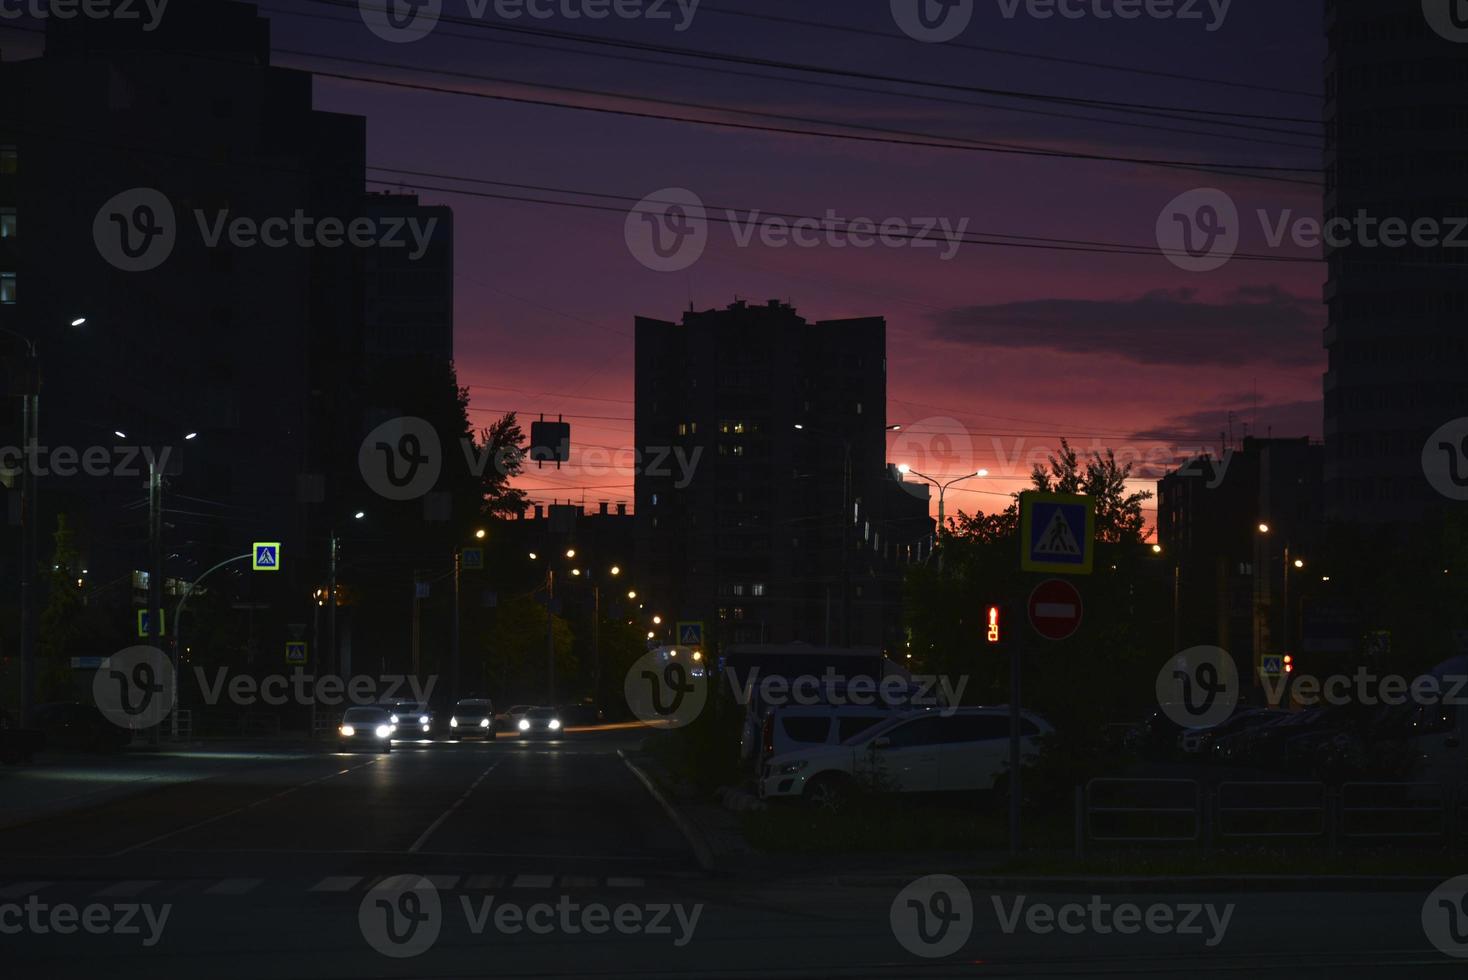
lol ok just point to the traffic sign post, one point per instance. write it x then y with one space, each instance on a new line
143 618
472 560
1057 533
295 652
690 633
1055 609
265 556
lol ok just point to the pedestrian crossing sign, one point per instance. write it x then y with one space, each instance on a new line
266 556
1271 665
690 633
1057 533
295 651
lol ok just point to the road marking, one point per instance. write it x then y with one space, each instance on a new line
237 810
533 881
578 881
444 882
423 837
24 888
233 886
124 889
701 850
484 881
625 882
337 883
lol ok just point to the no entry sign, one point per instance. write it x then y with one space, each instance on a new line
1055 609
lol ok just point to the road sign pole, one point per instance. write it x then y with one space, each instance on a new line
1015 658
454 637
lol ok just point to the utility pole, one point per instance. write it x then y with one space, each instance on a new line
29 517
846 546
454 634
550 637
330 658
596 642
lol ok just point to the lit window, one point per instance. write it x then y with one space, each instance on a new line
7 288
683 428
7 222
757 588
739 589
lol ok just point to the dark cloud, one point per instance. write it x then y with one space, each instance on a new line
1251 325
1282 420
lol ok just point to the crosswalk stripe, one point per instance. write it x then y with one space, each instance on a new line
578 881
23 888
233 886
625 882
484 881
533 881
336 883
123 889
443 882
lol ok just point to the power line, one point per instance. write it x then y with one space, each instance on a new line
916 139
923 97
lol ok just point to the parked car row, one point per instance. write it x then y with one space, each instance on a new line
932 750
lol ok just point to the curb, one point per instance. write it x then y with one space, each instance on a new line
701 850
1163 884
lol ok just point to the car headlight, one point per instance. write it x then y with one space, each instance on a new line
555 723
383 731
394 719
348 730
484 723
524 724
791 768
453 722
422 719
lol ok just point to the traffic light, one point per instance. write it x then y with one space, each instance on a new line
1289 664
993 624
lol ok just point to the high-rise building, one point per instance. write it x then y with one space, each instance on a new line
1396 100
128 160
765 507
1232 527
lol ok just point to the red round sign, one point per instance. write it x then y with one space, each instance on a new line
1055 609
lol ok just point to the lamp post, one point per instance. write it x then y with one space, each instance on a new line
613 571
155 560
550 636
29 516
332 555
479 535
905 470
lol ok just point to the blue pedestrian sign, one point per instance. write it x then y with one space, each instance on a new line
143 622
690 633
473 560
1271 664
266 557
295 651
1057 533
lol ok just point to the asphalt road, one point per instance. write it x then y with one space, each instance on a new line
551 859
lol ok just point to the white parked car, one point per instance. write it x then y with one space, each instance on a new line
933 751
793 727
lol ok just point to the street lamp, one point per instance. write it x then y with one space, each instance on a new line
335 550
904 469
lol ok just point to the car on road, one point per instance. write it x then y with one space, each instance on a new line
951 750
76 727
1199 742
366 727
411 717
473 718
18 744
539 721
510 720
